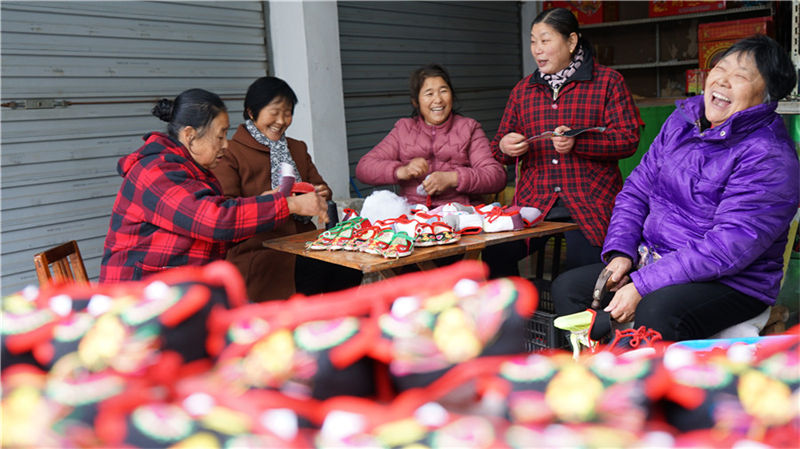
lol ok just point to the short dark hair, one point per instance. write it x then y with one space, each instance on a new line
564 22
772 61
417 79
193 107
262 92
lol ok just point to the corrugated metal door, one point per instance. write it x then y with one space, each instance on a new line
382 42
109 61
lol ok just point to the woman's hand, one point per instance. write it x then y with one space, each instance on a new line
563 145
619 268
514 144
622 307
269 192
308 205
323 191
417 168
440 181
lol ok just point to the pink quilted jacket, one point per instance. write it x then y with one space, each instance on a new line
458 144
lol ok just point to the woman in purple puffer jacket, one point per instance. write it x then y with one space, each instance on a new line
436 154
703 220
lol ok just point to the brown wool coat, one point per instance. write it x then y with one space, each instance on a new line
245 171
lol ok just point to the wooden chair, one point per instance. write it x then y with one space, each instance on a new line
66 261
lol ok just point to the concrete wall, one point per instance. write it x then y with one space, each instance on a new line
304 40
529 11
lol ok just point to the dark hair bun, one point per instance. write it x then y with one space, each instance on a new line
164 109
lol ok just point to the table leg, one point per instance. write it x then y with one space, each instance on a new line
375 276
472 255
427 265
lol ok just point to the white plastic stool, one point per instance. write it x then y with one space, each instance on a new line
749 328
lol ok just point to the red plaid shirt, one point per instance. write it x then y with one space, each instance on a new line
171 212
587 178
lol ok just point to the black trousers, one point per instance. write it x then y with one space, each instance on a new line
503 259
691 311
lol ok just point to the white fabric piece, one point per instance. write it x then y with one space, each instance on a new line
410 228
499 224
530 214
469 221
420 189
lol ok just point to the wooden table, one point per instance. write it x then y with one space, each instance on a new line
375 267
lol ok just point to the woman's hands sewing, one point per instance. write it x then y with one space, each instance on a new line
439 181
308 205
417 168
622 307
323 191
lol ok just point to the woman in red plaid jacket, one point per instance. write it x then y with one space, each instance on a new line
170 209
567 178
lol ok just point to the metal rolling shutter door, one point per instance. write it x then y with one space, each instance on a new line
110 61
382 42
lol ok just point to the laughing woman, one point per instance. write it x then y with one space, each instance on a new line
697 235
435 154
252 165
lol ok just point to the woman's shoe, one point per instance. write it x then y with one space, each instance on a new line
630 339
586 328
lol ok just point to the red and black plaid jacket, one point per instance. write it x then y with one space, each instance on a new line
587 178
170 212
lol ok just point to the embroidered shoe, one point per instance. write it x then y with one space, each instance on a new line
445 234
325 238
343 237
409 226
348 214
402 245
361 238
380 242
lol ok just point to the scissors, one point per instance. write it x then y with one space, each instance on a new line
600 288
570 133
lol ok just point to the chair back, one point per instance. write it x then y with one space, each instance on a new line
66 262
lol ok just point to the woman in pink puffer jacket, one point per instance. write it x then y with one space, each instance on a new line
445 153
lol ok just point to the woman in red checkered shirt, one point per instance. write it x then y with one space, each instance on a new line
568 178
171 211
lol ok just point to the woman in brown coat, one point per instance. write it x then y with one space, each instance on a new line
250 166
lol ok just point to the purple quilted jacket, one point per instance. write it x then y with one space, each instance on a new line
716 205
459 144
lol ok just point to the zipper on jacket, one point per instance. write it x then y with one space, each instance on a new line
555 93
